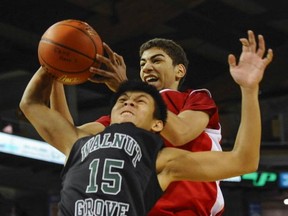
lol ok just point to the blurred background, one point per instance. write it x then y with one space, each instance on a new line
208 30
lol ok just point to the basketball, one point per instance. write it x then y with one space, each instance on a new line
68 49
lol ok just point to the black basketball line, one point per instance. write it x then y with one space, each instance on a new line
65 72
85 32
45 40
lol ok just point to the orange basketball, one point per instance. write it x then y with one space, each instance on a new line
68 49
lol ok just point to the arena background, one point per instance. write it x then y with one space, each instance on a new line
208 30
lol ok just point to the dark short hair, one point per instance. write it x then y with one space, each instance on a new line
160 109
171 48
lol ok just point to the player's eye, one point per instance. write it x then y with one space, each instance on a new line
121 99
156 60
140 101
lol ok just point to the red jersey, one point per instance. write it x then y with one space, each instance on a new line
186 198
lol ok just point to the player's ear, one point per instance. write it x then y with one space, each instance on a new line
181 71
157 126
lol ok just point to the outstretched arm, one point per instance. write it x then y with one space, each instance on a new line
176 164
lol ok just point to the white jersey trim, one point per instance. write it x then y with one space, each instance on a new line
199 90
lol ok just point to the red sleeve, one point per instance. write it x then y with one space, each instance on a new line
105 120
200 100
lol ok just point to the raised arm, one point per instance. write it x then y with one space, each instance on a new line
58 101
112 76
244 158
51 125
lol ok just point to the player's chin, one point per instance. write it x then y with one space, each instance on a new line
126 119
156 84
129 121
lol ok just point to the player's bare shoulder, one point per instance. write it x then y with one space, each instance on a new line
92 128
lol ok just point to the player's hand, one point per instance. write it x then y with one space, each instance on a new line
114 73
249 71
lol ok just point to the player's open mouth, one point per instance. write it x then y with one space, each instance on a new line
151 79
127 113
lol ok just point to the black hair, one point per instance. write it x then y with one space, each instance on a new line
171 48
160 109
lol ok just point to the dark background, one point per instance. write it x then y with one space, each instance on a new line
207 30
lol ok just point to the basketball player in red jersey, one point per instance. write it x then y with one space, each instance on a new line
193 121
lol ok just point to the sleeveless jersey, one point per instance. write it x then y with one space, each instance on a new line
112 173
185 198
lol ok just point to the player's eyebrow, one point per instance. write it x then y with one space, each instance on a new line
153 56
140 95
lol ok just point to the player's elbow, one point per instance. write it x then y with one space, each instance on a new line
253 166
26 106
179 139
171 172
249 166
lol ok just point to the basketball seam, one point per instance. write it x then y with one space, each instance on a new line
61 45
85 32
65 72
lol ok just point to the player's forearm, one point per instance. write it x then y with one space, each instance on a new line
58 101
36 97
248 138
181 129
38 89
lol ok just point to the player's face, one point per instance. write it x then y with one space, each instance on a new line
135 107
156 68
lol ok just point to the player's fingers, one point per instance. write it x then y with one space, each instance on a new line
252 41
120 59
97 79
111 54
261 46
231 61
108 50
100 72
269 56
245 44
104 60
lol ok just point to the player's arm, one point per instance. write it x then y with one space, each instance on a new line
51 126
113 76
185 126
175 164
92 127
213 165
58 102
